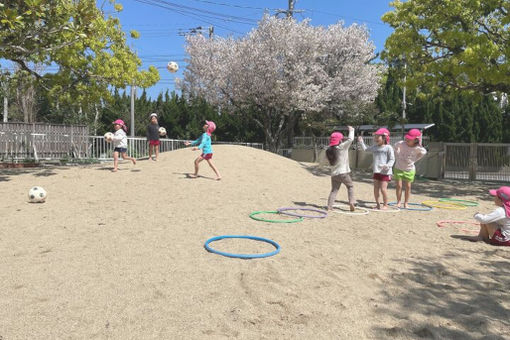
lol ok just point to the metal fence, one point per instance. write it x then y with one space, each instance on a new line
477 161
20 141
138 147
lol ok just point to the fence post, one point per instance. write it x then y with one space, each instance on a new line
473 162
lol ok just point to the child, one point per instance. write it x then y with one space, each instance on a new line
383 162
338 157
204 143
407 153
120 143
495 227
153 136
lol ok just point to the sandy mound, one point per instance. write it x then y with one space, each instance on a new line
120 255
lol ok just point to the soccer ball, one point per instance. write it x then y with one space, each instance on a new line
36 195
108 137
172 66
162 131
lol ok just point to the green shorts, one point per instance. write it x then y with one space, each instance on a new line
407 176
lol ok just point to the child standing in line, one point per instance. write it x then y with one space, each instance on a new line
204 144
338 157
120 143
153 136
407 153
382 165
495 227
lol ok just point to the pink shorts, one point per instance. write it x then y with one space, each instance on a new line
381 177
206 156
499 240
154 142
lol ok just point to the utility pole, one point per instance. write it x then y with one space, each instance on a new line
211 32
404 104
6 108
290 11
133 94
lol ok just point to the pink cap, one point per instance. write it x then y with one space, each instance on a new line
413 134
336 138
383 132
119 121
211 126
504 194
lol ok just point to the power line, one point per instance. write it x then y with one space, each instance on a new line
194 16
232 5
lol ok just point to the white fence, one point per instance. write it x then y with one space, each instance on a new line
138 147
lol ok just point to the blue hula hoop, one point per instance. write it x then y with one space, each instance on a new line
425 208
242 256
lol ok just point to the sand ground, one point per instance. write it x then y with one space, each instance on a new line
121 256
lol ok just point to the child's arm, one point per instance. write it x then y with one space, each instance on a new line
494 216
348 141
118 136
362 144
421 152
196 141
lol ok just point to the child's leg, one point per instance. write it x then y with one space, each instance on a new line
125 156
407 193
156 151
377 187
197 161
335 186
115 160
399 191
218 176
150 151
347 181
384 191
486 231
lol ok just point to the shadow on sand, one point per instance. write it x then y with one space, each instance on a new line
464 304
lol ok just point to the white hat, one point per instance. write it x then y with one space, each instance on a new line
154 115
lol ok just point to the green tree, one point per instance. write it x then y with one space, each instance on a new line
88 48
451 43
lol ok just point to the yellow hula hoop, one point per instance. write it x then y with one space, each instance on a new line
444 205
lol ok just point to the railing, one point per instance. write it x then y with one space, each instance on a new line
20 141
477 161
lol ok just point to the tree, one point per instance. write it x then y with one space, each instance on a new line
451 43
89 49
282 69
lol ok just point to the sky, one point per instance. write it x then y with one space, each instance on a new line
162 24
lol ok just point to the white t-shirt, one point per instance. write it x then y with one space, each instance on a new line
384 158
406 156
342 164
499 217
120 139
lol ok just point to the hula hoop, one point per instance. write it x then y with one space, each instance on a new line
425 207
391 210
364 211
466 203
252 215
284 211
242 256
444 205
442 224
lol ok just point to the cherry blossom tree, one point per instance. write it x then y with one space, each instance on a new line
281 69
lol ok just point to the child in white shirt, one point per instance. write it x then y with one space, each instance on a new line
407 153
495 227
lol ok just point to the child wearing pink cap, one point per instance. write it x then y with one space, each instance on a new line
382 165
407 153
495 227
120 143
204 144
338 157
